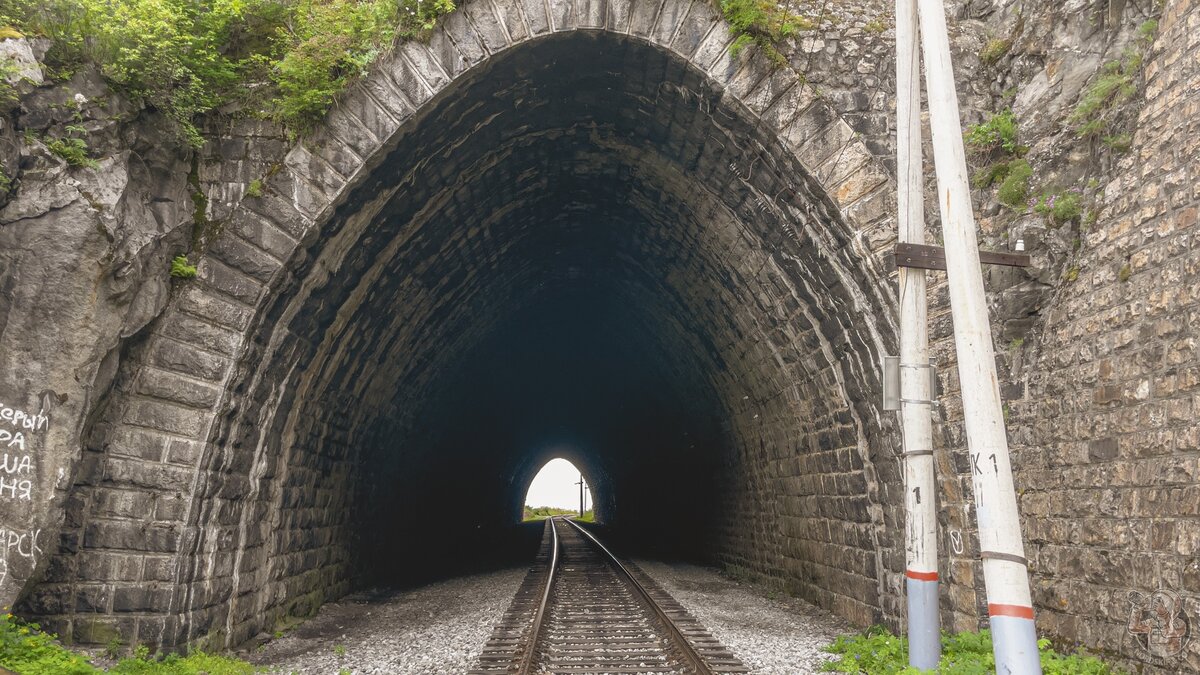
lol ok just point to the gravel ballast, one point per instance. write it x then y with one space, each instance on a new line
438 628
771 636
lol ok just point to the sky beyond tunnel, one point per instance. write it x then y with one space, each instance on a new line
556 485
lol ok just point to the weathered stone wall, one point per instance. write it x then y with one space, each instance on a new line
1106 432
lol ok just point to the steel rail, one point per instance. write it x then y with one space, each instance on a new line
526 667
689 652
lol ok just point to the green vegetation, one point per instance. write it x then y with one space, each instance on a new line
998 140
999 132
588 516
255 188
762 23
1124 273
1071 274
878 652
543 512
1147 31
73 150
186 57
1014 187
994 50
1016 343
1099 106
181 268
25 649
1058 206
875 26
1118 142
339 650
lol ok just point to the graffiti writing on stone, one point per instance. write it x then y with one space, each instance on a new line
1158 623
17 428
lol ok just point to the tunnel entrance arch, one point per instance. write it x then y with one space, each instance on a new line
603 172
560 484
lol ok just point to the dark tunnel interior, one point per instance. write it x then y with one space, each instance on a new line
583 248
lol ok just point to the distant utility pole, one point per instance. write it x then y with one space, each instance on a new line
580 484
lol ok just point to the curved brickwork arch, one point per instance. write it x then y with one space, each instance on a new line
223 493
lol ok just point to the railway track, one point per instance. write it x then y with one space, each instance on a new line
582 611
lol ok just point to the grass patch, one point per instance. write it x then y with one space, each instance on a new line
1014 187
763 24
1058 206
543 512
26 649
994 50
879 652
1095 116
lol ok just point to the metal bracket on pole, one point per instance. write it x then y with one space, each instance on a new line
996 555
921 256
891 383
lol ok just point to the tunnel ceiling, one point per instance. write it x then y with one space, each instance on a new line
568 252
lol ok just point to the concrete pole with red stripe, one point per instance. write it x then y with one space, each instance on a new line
1005 573
920 513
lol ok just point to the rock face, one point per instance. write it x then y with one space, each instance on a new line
84 260
680 257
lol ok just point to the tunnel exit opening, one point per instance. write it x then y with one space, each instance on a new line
558 489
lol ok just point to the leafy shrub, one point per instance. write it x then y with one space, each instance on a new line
181 268
878 652
186 57
335 41
998 132
73 150
1015 185
25 649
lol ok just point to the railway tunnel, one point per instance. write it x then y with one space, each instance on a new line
584 245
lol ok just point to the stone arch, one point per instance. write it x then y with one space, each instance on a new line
244 396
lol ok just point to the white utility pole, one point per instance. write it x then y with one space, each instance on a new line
1005 573
920 522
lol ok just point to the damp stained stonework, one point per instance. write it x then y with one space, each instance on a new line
588 223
